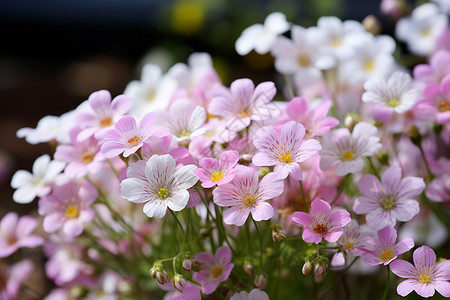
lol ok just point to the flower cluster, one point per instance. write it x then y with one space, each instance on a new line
184 178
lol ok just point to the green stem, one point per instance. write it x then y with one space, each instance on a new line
178 221
305 206
341 189
372 166
386 289
338 279
427 166
260 243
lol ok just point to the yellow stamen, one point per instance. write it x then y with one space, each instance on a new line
285 158
87 157
151 96
388 203
134 141
348 246
105 122
425 278
245 113
216 271
426 32
303 60
336 42
215 177
393 102
387 255
184 133
163 193
444 106
249 200
72 212
368 65
348 155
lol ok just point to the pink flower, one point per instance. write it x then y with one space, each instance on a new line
390 200
217 172
314 120
255 294
12 278
15 233
385 249
439 189
245 195
438 68
214 269
157 184
321 223
68 207
243 103
127 137
425 276
284 150
81 157
101 114
437 98
351 238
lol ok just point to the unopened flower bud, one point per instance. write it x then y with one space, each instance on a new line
159 274
383 157
162 277
415 136
371 24
278 234
179 282
320 269
260 281
190 264
350 121
307 268
248 268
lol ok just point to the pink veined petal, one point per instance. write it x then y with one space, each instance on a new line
160 168
203 176
443 288
404 245
387 236
283 170
301 218
403 268
292 134
442 270
228 159
178 200
208 163
405 210
147 123
223 255
266 139
262 211
425 290
262 159
310 237
370 186
263 93
205 258
271 186
307 149
236 215
410 187
226 195
318 207
424 257
155 208
333 236
340 218
407 286
126 124
391 178
364 205
379 219
135 190
184 177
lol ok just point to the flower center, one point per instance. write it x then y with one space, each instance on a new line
245 113
303 60
348 155
215 177
249 200
151 96
444 106
216 271
387 255
368 65
184 133
425 278
321 229
134 141
12 240
285 158
163 193
105 122
348 246
393 102
336 42
426 32
87 157
388 203
72 211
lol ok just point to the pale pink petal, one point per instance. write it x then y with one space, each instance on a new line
208 163
364 205
122 104
271 186
262 211
8 224
205 258
405 210
210 287
301 218
228 159
340 218
333 236
184 177
320 207
405 287
292 133
404 245
424 257
236 215
442 270
387 236
223 255
307 149
443 288
379 219
403 268
100 100
25 226
391 178
297 107
410 187
283 170
370 186
310 237
425 290
72 228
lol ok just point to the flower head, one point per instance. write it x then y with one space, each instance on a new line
345 150
246 195
214 269
425 276
15 233
45 173
390 200
385 249
219 172
285 150
157 184
12 278
321 223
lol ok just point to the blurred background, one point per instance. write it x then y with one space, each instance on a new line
56 52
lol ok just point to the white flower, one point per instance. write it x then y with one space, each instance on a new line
184 120
262 37
162 187
421 29
395 93
152 92
345 150
45 173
